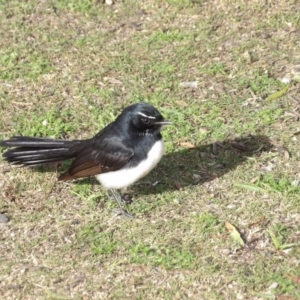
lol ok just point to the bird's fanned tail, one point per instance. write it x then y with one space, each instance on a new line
32 152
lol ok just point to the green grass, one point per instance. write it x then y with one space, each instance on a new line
68 68
165 257
102 243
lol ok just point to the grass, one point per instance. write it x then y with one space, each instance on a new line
67 68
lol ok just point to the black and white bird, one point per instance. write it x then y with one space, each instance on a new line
119 155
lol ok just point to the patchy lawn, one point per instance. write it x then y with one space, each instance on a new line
219 70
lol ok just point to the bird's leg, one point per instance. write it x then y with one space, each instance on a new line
119 198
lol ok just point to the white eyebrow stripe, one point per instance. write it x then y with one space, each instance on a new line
149 117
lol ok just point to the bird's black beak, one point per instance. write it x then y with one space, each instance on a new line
164 122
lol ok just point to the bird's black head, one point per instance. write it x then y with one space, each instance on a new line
144 118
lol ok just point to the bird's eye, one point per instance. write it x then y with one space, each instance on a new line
146 120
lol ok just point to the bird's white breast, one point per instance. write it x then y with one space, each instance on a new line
125 177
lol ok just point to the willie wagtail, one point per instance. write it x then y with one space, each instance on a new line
119 155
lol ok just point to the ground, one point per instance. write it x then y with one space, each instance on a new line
219 216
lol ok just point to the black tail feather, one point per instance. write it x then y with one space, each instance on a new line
32 152
24 141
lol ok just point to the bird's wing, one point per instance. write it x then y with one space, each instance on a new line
99 156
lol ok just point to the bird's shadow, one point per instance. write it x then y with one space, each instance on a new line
195 165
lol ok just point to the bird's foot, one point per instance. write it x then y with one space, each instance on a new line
120 199
123 212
